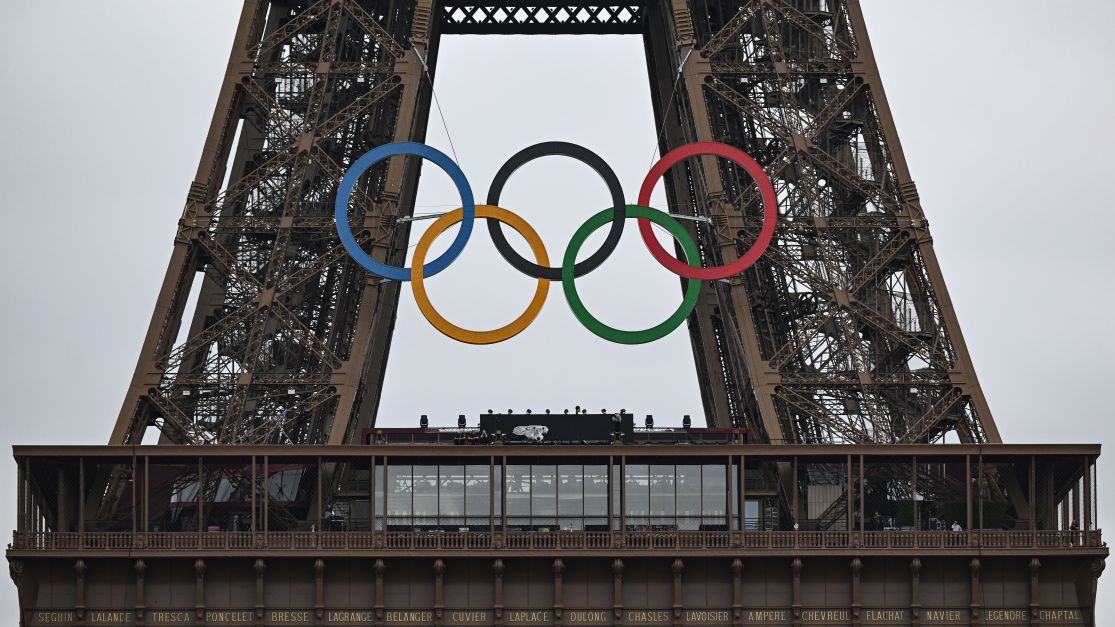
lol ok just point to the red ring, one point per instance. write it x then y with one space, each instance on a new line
770 211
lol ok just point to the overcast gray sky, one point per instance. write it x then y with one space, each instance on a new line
1008 131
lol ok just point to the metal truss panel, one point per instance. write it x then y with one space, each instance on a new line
565 18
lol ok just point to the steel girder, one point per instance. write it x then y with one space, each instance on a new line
842 332
287 333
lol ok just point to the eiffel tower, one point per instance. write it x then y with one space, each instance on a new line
842 333
839 349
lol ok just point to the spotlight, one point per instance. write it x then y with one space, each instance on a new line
424 422
686 421
650 421
461 421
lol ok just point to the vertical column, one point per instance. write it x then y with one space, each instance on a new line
915 592
968 492
795 568
857 602
622 499
319 591
977 594
200 497
617 592
199 591
1033 479
737 592
497 579
80 502
439 592
383 541
147 493
266 498
1086 524
850 514
914 488
559 570
21 498
379 567
492 499
743 493
1035 594
677 567
260 567
254 488
79 591
503 501
796 503
141 604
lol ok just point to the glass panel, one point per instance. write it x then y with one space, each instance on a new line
689 496
637 493
596 491
451 496
751 514
571 485
399 502
714 496
662 507
543 495
477 494
518 495
425 495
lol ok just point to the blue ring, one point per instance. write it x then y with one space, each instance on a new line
370 158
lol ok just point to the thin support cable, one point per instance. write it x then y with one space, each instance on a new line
669 104
437 103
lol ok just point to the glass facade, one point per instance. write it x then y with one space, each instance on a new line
556 496
676 496
447 496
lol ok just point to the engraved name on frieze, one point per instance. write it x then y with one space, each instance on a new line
588 617
529 616
421 617
877 616
944 616
825 616
766 615
646 617
290 617
468 617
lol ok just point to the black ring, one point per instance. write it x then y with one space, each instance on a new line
592 160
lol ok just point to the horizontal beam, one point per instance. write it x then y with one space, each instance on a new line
544 450
511 543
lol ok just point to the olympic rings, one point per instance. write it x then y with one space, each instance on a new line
461 334
370 158
589 158
570 270
770 211
658 331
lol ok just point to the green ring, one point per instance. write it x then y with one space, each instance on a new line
619 336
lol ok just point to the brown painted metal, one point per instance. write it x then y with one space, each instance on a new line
843 332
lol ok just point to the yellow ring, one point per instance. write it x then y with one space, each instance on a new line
461 334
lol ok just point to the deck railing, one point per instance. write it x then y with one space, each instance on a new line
556 540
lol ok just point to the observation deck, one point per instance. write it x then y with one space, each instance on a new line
522 522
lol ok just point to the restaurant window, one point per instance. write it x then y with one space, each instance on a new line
478 497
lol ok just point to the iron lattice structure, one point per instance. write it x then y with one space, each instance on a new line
842 332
